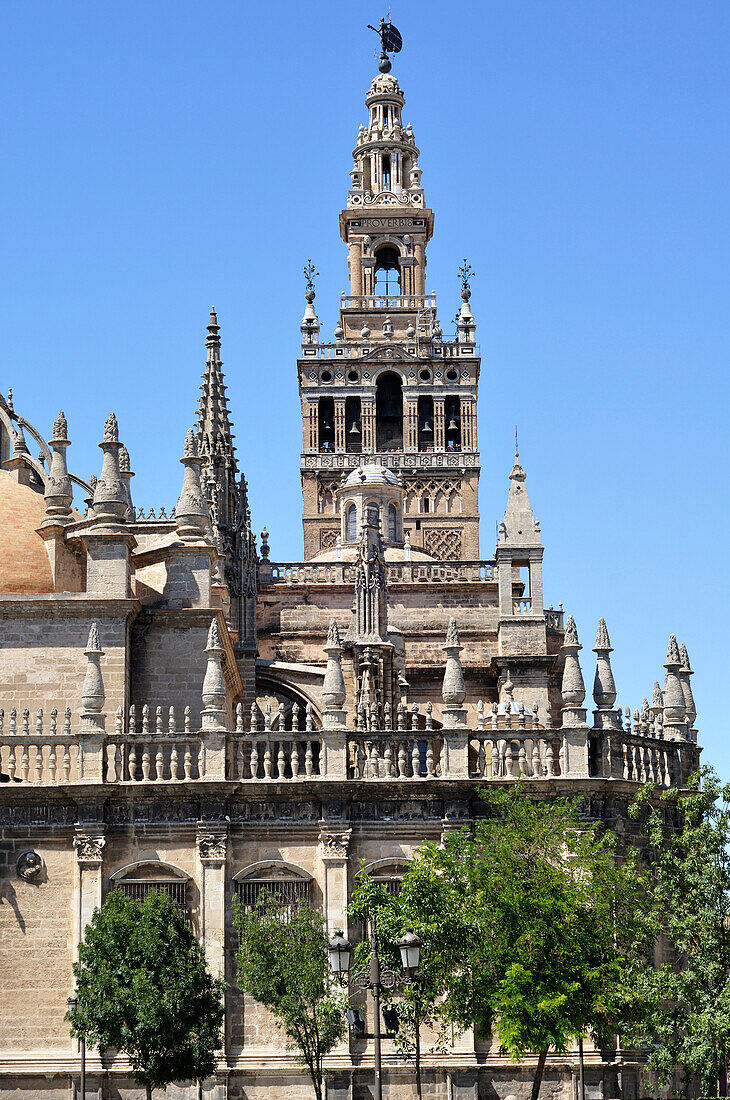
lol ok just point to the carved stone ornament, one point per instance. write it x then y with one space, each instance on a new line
29 866
335 845
89 849
212 847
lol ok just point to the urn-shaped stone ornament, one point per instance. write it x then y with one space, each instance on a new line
453 691
214 685
92 692
333 689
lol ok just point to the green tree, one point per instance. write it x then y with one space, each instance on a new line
143 988
536 925
418 1002
687 999
282 962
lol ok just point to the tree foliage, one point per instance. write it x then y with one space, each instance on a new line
535 926
687 998
143 988
283 964
419 1001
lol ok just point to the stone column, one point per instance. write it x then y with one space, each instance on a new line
355 268
334 841
311 426
368 425
419 274
92 733
212 842
439 436
339 425
89 842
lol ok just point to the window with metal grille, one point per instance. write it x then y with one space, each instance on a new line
139 889
285 894
392 885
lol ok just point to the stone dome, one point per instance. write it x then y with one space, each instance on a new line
24 563
370 475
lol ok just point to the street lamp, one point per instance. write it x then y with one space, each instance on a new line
409 946
376 979
72 1003
339 950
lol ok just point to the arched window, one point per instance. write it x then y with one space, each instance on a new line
353 427
392 522
351 528
387 271
453 424
326 424
389 412
137 880
284 886
425 424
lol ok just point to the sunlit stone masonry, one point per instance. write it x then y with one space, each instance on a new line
181 710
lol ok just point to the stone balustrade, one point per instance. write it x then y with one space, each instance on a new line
507 741
42 751
151 749
406 572
376 755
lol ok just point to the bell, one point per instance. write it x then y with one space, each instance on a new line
453 426
427 429
355 429
326 425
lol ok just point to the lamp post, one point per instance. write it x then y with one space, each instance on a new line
376 979
72 1003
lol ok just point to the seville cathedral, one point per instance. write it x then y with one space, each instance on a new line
180 711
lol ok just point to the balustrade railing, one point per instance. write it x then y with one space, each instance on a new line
407 572
151 749
43 750
375 755
280 744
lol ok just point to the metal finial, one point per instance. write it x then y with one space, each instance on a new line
310 274
466 274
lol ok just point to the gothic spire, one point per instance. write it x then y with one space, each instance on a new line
215 440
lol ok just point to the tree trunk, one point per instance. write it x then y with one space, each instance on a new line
418 1058
538 1074
148 1090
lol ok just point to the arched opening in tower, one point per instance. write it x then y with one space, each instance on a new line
389 412
453 424
425 424
326 424
387 272
353 426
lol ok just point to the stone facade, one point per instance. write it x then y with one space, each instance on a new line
178 709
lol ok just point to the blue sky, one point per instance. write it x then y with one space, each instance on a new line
163 157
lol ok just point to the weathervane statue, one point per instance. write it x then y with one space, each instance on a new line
390 40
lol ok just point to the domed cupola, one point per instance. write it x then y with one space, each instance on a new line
376 492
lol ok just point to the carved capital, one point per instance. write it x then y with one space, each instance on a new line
212 846
89 848
334 845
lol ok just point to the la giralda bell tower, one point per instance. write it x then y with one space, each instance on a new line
392 389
